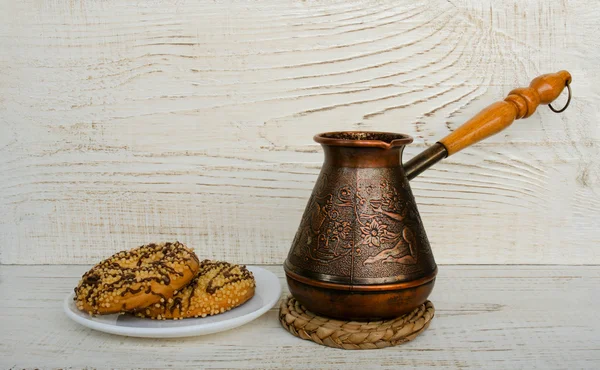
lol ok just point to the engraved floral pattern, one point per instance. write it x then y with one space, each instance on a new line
345 196
380 213
342 229
391 199
372 233
329 237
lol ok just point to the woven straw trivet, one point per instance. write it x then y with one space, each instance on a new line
353 334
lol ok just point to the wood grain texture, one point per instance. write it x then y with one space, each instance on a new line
125 122
487 317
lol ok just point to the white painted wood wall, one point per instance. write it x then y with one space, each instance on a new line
125 122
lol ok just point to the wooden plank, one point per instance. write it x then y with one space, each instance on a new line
517 317
124 122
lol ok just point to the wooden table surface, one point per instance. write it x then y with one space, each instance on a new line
486 317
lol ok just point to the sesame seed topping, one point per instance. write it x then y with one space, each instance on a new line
211 292
135 273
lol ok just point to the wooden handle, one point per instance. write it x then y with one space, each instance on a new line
520 103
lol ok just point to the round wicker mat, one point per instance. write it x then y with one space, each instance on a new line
353 334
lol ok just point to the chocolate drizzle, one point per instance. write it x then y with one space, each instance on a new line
176 305
130 290
201 296
92 279
229 277
132 273
192 287
159 294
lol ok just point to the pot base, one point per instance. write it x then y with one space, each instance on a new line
359 305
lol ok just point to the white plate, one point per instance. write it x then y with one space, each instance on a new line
266 295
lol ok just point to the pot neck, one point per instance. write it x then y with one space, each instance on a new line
361 157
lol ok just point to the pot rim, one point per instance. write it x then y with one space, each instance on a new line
388 140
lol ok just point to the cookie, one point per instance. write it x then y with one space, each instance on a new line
218 287
136 279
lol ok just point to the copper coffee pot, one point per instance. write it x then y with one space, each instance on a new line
361 251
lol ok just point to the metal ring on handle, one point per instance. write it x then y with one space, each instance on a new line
566 105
